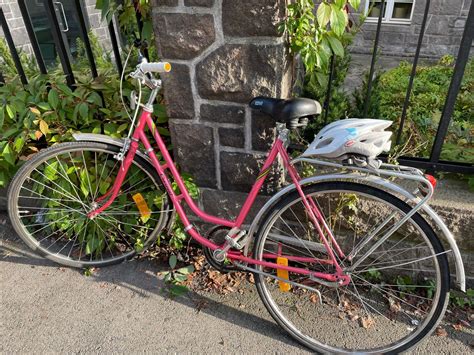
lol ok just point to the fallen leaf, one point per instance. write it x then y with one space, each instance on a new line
395 306
441 332
367 322
314 298
457 326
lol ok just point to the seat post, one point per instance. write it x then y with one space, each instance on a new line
283 133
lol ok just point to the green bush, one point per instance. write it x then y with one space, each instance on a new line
46 111
428 97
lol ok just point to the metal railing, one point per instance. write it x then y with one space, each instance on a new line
433 163
60 45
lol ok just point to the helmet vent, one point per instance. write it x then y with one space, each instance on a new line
325 142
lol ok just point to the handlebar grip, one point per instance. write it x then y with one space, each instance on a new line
159 67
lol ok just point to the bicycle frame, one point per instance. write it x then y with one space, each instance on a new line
278 148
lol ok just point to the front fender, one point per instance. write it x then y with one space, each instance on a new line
102 138
386 186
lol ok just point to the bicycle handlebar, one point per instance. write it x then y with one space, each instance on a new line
157 67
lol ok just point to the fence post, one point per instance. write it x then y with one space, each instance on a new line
11 46
374 56
454 87
58 41
329 88
413 73
32 36
139 17
115 47
85 38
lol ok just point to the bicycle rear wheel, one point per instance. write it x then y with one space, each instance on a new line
51 194
396 296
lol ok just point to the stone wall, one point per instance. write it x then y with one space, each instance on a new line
21 39
224 53
444 28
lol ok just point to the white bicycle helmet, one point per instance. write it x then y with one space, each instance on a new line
364 137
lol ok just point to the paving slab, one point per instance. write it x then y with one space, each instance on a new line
123 309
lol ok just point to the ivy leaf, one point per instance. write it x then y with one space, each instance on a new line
53 98
338 20
323 14
355 4
336 46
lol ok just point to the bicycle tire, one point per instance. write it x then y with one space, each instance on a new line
356 334
121 241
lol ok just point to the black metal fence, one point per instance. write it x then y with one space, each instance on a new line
433 163
60 45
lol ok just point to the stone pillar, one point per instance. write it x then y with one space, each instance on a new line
223 53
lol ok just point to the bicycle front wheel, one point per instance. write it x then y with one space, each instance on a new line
51 195
397 293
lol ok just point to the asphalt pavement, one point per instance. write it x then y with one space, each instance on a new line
46 308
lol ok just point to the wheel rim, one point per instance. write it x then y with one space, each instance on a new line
360 310
56 193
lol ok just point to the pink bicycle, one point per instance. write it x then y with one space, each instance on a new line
345 262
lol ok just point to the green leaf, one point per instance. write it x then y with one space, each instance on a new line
172 261
51 170
2 117
323 14
44 106
122 127
110 128
10 111
92 245
355 4
178 290
19 143
338 20
336 46
147 30
83 110
8 154
53 98
186 270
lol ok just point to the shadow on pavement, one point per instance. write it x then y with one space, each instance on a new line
140 276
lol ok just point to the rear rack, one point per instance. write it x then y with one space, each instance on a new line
426 189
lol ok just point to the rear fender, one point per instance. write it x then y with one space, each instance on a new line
385 185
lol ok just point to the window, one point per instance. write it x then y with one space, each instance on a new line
68 20
396 11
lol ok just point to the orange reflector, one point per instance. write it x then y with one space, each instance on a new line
142 207
167 67
283 274
432 180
